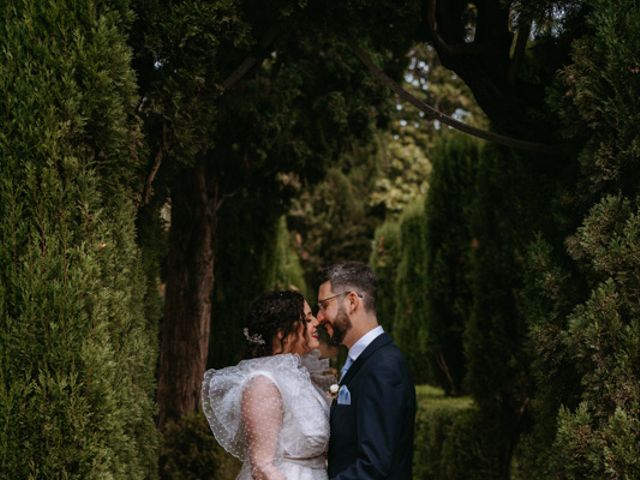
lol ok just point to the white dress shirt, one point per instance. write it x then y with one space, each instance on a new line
364 341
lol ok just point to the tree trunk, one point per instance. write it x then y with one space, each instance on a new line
184 334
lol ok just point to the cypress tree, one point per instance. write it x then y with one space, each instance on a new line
594 321
511 203
448 248
77 357
384 260
409 323
258 256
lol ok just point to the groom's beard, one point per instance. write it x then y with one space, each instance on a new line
341 325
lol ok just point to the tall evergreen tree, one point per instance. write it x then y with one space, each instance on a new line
384 260
409 323
78 355
449 244
594 325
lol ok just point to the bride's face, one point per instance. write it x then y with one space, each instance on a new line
305 338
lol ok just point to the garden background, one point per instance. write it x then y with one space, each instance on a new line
164 161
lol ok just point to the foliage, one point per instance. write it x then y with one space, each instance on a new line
332 221
388 174
403 172
255 260
409 323
305 103
449 246
284 271
587 345
190 452
78 355
384 260
601 337
512 200
450 441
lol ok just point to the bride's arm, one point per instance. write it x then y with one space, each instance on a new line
262 419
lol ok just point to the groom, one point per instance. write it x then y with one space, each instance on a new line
373 415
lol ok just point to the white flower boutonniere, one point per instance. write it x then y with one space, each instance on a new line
333 390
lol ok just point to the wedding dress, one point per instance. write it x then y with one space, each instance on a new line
272 414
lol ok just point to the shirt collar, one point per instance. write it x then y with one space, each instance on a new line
364 341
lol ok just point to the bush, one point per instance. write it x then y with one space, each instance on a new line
190 452
78 356
451 441
586 333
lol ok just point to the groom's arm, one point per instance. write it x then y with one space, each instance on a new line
381 412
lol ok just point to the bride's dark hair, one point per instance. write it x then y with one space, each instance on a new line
268 314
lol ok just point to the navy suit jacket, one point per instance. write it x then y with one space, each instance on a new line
373 437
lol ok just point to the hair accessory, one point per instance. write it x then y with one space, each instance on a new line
256 338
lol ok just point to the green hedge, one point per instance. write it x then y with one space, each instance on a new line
190 452
77 355
451 442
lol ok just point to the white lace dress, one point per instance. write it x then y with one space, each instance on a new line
268 413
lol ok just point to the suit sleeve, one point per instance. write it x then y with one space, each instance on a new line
381 410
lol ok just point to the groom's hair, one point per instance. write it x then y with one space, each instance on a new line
355 276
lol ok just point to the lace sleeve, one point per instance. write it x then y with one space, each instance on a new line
262 414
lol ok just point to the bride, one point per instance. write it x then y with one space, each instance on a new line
269 410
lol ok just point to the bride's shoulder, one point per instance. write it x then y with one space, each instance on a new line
272 362
283 370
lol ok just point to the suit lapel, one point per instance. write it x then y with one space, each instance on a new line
378 342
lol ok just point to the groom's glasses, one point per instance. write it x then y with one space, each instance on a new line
322 304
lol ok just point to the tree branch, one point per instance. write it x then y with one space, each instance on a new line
148 186
252 59
231 81
434 114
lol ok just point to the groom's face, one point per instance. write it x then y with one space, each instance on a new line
332 314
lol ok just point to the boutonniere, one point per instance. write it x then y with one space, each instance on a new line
333 390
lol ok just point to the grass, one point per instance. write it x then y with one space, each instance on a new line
432 398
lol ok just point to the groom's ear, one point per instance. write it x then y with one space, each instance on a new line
354 301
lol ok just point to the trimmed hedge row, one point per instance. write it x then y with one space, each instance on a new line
451 440
77 352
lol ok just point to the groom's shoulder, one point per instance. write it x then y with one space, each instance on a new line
389 356
389 348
